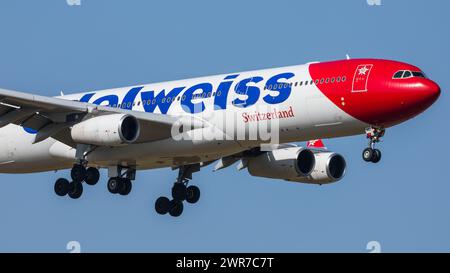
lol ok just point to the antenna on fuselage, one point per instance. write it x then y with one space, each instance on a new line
61 93
347 56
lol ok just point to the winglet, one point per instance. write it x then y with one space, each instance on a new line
317 144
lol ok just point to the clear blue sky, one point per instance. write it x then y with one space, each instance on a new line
403 202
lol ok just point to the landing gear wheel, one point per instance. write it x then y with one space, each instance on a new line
376 156
76 190
78 173
192 194
61 187
176 208
126 187
114 185
92 176
179 192
367 154
162 205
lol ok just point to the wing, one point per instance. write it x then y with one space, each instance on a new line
53 117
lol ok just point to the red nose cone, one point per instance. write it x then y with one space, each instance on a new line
431 92
421 96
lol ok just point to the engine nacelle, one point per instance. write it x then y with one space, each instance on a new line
330 167
107 130
286 163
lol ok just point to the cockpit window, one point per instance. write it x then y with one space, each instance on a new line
407 74
398 74
418 74
403 74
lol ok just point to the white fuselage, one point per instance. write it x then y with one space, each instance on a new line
306 113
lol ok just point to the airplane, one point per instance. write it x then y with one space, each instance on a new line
184 124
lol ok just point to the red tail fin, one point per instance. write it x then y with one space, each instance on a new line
317 143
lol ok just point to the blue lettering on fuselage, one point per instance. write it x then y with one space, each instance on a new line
283 89
252 92
247 91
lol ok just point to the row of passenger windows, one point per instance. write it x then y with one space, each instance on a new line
210 94
311 82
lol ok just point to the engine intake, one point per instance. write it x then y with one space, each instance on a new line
330 167
107 130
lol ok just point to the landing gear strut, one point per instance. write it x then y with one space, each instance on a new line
370 154
79 174
180 192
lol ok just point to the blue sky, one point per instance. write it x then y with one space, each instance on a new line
402 202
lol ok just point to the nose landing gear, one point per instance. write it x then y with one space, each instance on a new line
370 154
180 192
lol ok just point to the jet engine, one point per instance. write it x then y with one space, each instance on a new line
298 165
107 130
330 167
286 163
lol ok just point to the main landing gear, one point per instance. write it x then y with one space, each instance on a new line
120 180
79 173
180 192
371 154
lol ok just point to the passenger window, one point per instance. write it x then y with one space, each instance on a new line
311 82
344 78
338 79
332 80
327 80
317 81
301 83
295 83
321 81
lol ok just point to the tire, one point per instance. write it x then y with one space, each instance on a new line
92 176
76 190
192 194
176 208
367 154
179 192
114 185
61 187
126 187
376 157
162 205
78 173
